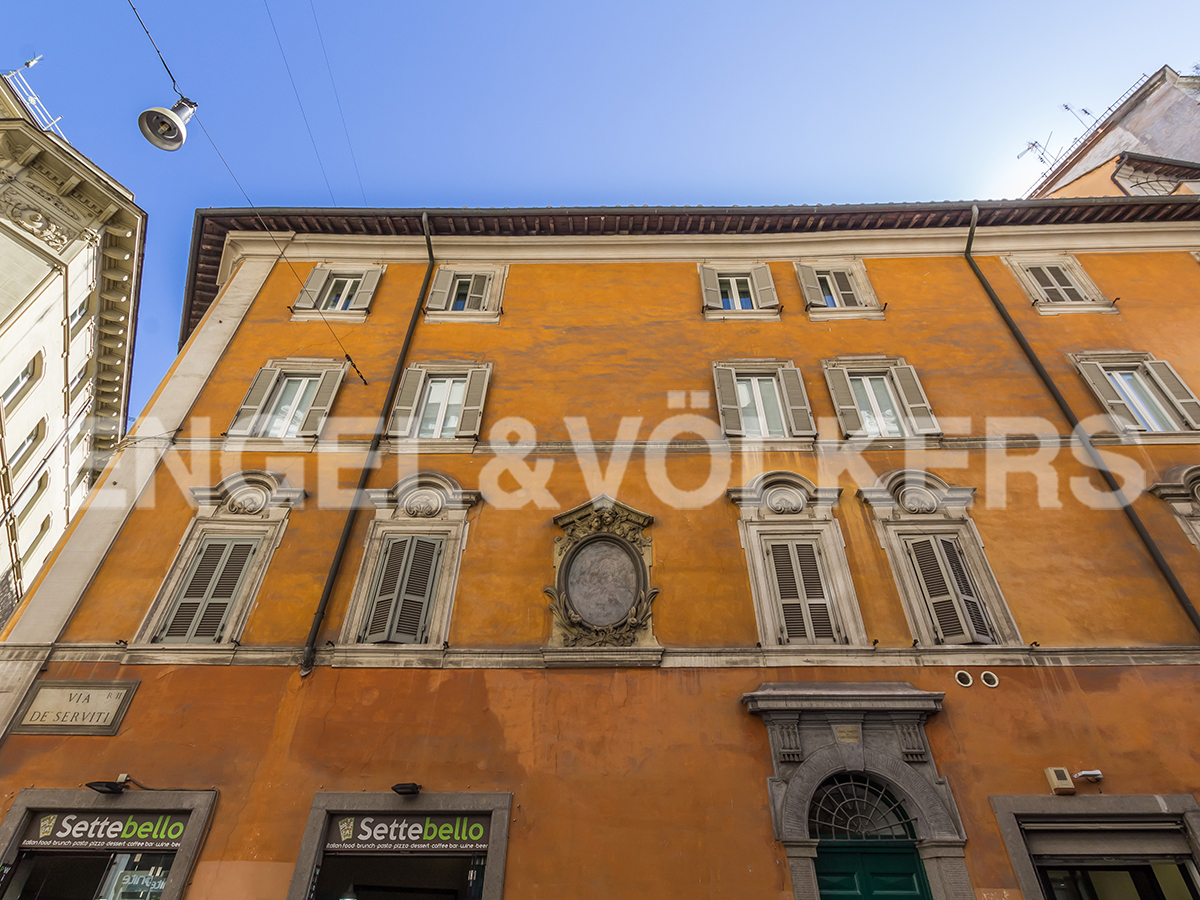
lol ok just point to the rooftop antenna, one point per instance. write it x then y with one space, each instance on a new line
17 82
1042 150
165 128
1069 108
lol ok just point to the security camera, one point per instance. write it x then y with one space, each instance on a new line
1092 775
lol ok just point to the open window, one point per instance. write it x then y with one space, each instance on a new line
763 399
738 291
466 293
879 397
342 291
837 289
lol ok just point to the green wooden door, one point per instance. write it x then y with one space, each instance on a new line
871 871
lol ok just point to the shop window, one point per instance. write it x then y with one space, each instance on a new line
223 557
466 293
738 291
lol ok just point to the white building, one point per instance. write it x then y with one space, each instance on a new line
71 243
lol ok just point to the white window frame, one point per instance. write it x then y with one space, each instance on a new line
1094 300
441 293
808 273
908 504
782 506
20 386
904 386
307 305
250 505
795 407
765 298
402 431
443 406
426 504
253 412
1163 382
23 452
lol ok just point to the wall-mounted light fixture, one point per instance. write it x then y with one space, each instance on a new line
406 788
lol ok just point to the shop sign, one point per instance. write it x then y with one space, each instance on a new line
75 707
76 830
373 832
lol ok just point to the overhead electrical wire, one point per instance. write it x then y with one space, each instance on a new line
337 98
300 103
229 169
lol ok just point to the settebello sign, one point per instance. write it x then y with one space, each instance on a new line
75 830
418 833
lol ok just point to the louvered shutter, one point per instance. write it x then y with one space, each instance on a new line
407 397
1050 291
976 616
416 590
252 403
439 294
1097 380
366 290
383 597
727 400
210 590
1065 284
313 285
791 603
710 287
848 415
795 398
472 409
1181 396
821 621
845 288
948 619
810 286
477 294
764 287
916 404
321 402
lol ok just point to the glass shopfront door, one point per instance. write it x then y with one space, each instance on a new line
46 875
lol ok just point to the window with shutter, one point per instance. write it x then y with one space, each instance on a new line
403 590
760 399
209 590
288 399
837 289
465 294
1058 284
337 291
1140 393
879 398
730 292
956 610
800 587
439 402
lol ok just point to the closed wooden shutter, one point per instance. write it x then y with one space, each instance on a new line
477 294
810 286
474 395
439 294
1055 284
916 404
710 287
803 600
764 286
313 285
321 402
1181 396
416 590
404 590
366 290
978 626
210 590
845 287
728 406
795 398
844 405
948 620
248 412
1097 379
407 397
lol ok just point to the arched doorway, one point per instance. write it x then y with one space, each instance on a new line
866 842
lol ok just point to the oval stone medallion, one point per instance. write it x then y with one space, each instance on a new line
602 583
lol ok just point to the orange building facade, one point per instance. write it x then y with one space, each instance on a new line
698 553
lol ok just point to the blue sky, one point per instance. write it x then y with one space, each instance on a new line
557 104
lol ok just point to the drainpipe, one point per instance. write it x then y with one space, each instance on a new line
1121 160
310 646
1096 460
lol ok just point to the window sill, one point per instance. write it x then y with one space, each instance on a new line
332 315
771 445
484 317
835 313
251 444
1155 437
743 315
1058 309
430 445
